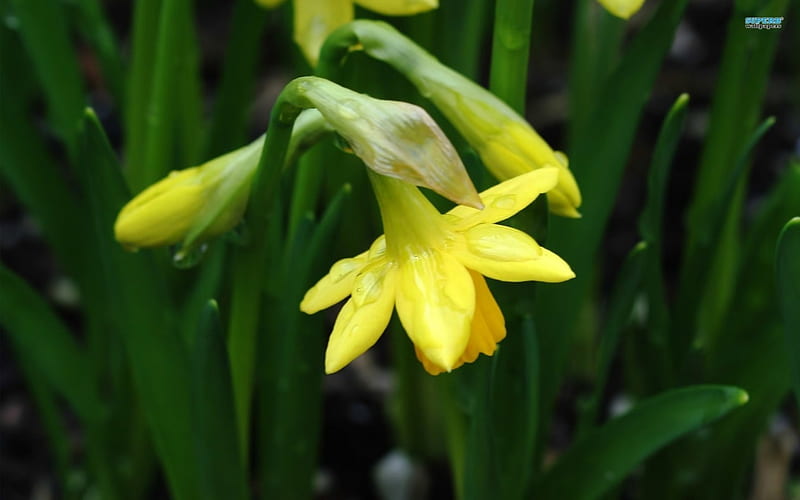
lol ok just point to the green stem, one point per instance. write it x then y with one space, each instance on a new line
510 51
145 25
159 134
250 262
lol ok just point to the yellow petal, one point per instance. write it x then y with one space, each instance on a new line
488 325
488 328
507 254
314 20
622 8
334 286
506 199
398 7
436 302
364 317
162 213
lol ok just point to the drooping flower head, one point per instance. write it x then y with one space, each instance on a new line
431 267
505 141
314 20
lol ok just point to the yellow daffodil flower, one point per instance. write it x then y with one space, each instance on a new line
191 205
314 20
431 267
622 8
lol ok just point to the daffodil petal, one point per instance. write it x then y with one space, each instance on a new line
506 199
398 7
507 254
314 20
488 328
334 286
436 302
364 317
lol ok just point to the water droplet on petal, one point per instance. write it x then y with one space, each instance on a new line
185 259
505 202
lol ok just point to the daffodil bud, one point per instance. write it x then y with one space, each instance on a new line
506 143
191 205
395 139
623 9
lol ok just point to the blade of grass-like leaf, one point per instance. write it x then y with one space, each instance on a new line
754 362
43 27
189 119
787 275
513 411
604 458
292 384
743 76
713 224
598 156
47 343
627 286
596 36
221 471
229 122
140 88
650 229
144 317
160 133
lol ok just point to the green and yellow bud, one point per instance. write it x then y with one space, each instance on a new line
393 138
623 9
506 143
192 205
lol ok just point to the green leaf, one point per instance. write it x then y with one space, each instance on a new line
47 343
220 468
787 276
143 314
598 156
627 286
604 458
96 30
237 87
43 27
292 360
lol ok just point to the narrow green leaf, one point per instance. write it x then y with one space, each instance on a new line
221 471
235 92
650 226
604 458
626 288
140 87
598 157
137 297
513 412
46 342
787 275
292 357
696 323
43 27
160 136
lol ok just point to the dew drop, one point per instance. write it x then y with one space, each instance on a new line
185 259
505 202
